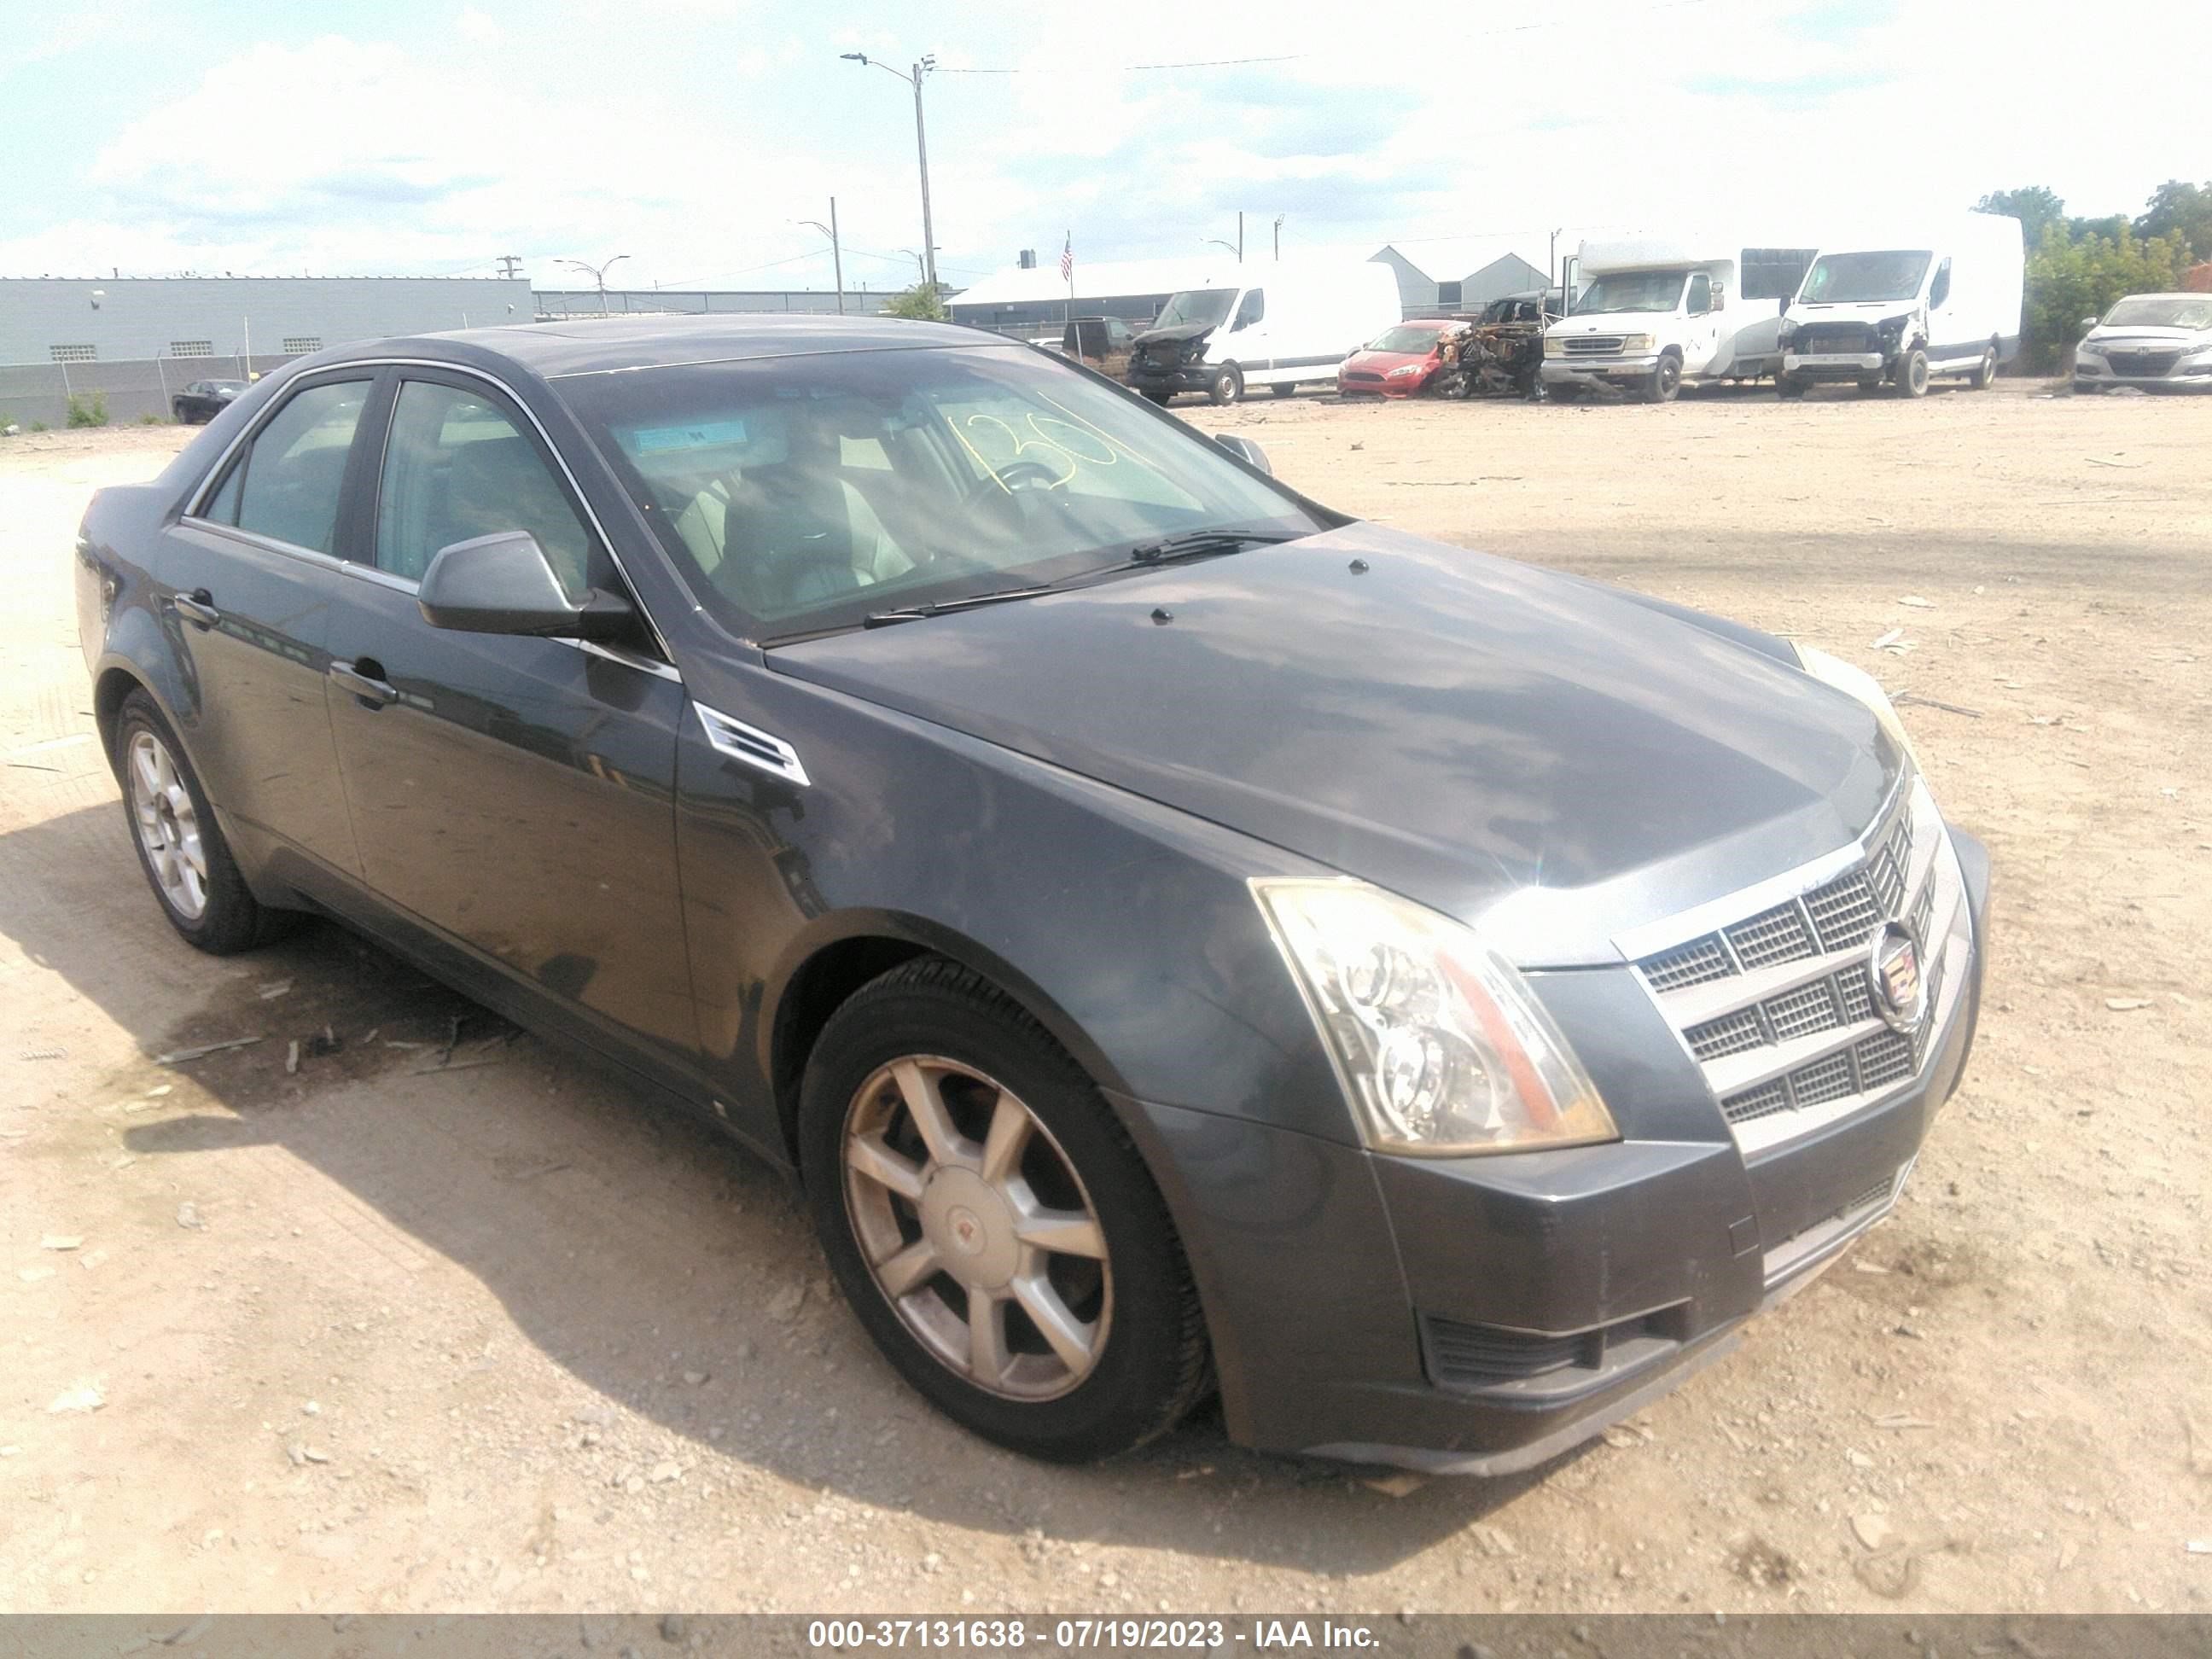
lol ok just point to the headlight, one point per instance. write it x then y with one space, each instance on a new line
1554 346
1857 683
1406 368
1630 344
2092 349
1441 1047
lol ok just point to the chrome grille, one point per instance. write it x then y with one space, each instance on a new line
1592 345
1776 935
1801 1043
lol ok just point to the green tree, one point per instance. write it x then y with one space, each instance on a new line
2070 278
2181 212
2034 205
924 303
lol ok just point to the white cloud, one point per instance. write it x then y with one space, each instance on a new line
478 29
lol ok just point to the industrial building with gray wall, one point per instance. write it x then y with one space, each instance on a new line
132 341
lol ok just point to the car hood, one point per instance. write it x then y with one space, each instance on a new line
1868 311
2147 334
1553 758
1179 334
1387 361
1614 322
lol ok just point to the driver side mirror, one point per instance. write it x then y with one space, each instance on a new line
504 584
2089 323
1245 450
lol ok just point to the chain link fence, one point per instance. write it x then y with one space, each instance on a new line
33 394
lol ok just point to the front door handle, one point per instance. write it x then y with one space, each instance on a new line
198 606
373 693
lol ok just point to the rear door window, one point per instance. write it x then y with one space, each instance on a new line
458 467
287 486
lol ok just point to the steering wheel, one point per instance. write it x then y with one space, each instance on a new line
1007 482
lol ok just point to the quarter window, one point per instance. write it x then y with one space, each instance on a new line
458 467
293 473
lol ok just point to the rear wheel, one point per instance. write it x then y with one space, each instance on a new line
181 847
1984 372
1912 374
1228 385
991 1222
1284 388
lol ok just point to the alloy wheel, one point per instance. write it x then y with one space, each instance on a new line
168 825
976 1228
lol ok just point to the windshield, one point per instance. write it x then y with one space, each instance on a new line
1633 290
1846 279
798 495
1403 338
2161 311
1206 307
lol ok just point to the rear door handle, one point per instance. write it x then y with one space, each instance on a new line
199 605
373 692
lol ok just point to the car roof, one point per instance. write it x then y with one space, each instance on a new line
606 345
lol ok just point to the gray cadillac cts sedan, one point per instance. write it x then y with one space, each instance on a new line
1181 938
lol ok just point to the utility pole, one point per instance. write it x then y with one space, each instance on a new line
1240 236
1279 236
922 66
509 264
836 256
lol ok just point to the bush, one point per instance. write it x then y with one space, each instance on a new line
923 303
150 418
38 426
2071 276
88 412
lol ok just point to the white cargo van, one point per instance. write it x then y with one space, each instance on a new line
1655 312
1939 299
1286 322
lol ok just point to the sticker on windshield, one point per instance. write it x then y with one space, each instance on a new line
705 435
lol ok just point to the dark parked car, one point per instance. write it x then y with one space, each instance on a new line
202 400
1179 936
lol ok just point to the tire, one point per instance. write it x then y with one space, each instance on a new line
1789 386
1285 388
1912 374
932 1030
1160 398
1985 371
1666 380
1228 385
1870 383
180 846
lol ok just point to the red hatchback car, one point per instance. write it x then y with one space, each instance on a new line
1398 362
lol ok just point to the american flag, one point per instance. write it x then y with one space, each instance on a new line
1067 260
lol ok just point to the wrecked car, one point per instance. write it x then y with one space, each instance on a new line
1296 321
1402 361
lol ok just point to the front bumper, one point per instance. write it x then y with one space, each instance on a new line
1834 365
1574 371
2090 372
1183 377
1384 1309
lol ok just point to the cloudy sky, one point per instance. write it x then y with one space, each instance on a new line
422 135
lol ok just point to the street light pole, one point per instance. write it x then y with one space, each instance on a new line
1279 236
598 275
922 66
836 254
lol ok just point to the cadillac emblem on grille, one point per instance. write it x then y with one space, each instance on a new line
1893 969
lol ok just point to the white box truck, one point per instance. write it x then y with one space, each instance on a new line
1284 323
1899 306
1656 313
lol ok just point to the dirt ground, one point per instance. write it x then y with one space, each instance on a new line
386 1334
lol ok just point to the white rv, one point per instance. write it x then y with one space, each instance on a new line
1898 307
1655 312
1286 322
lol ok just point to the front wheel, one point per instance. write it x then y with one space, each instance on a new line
1665 381
180 846
1912 374
1228 385
991 1222
1160 398
1985 371
1789 386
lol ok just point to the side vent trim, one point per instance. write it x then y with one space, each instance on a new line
750 746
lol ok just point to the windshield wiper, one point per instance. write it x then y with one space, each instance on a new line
946 607
1197 543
